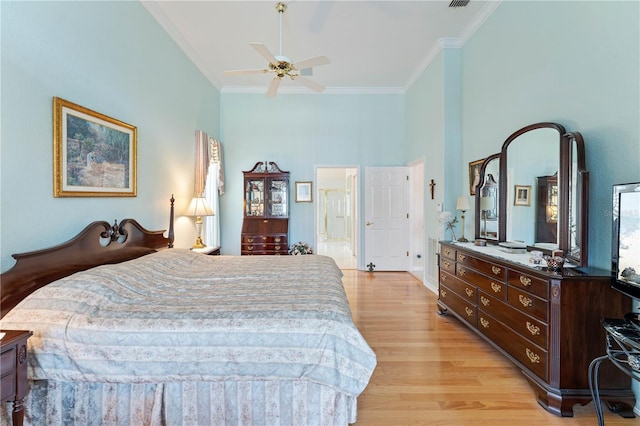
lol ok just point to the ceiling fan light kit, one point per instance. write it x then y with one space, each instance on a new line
282 66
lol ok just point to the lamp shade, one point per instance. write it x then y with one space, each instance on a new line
463 204
198 207
486 203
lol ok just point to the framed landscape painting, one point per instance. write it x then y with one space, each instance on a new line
93 155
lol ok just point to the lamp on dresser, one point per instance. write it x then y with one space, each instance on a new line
198 208
463 206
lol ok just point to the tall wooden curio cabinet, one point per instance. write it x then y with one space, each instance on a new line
265 228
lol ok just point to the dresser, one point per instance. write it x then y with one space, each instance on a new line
13 364
547 323
265 226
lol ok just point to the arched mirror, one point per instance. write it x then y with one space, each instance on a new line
487 197
542 190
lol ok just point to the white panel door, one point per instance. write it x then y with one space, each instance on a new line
387 218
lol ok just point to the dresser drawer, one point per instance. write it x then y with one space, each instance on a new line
531 356
496 271
534 285
460 287
448 265
528 327
464 308
448 253
528 303
491 286
254 239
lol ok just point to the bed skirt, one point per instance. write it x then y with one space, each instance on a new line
237 402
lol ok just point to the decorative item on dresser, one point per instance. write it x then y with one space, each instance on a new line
13 363
265 228
546 322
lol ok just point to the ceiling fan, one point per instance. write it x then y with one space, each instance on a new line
282 66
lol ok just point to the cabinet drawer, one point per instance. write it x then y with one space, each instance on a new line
466 310
528 303
448 253
7 362
498 272
534 285
254 239
448 265
463 289
490 285
530 328
531 356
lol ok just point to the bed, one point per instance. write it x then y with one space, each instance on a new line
127 331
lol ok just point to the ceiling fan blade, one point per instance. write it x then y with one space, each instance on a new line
316 87
273 87
240 72
311 62
262 50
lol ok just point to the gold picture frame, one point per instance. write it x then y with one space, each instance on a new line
304 193
474 175
93 155
522 195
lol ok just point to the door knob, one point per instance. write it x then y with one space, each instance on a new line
369 223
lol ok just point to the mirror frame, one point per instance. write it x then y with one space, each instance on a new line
566 143
478 213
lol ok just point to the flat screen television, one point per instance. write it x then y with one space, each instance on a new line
625 248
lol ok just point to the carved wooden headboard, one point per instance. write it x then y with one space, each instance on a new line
98 244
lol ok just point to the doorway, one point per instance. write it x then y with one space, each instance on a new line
336 214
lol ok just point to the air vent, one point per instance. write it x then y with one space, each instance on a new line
459 3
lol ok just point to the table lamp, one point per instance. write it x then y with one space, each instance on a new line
198 208
463 206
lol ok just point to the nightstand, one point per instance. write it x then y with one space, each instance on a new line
13 364
211 251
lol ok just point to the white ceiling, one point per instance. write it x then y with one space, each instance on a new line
374 46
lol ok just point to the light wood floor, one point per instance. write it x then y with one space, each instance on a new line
432 370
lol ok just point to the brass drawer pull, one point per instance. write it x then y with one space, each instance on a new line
443 277
496 270
277 240
250 248
468 310
447 264
461 257
484 301
447 252
468 291
526 281
526 302
443 293
250 240
497 288
533 329
277 247
533 357
461 272
484 323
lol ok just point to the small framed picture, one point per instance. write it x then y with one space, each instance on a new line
303 192
94 155
474 175
522 195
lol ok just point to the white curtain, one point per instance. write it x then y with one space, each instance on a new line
214 188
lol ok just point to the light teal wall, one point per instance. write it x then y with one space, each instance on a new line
299 132
111 57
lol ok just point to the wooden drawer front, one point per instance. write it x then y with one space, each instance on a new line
532 284
462 288
254 239
7 361
529 355
448 253
254 248
496 271
528 303
528 327
457 304
491 286
448 265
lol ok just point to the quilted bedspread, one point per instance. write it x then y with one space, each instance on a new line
177 316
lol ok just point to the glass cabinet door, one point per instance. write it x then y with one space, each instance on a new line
278 190
254 193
